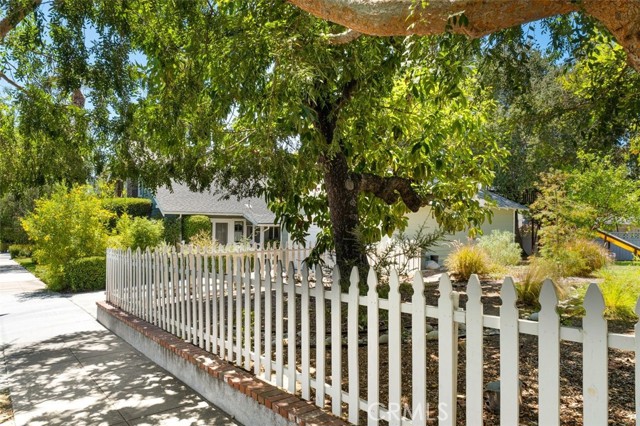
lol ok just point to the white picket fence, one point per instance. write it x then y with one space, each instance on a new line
244 308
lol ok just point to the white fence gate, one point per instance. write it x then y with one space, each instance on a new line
291 332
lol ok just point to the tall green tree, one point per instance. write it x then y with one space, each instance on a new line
551 110
350 136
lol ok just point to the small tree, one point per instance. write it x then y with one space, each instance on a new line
560 217
65 226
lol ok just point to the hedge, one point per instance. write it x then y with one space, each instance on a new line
172 227
194 224
134 207
86 274
20 250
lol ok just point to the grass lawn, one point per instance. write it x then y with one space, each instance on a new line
27 263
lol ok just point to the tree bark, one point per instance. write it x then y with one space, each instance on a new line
406 17
15 15
342 189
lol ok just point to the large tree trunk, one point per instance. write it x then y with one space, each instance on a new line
405 17
342 194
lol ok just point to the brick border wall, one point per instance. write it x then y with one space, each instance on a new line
237 384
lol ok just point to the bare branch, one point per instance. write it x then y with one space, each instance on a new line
15 16
344 37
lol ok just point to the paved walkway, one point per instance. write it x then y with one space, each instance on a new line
63 368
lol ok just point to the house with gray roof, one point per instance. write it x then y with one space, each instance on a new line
232 219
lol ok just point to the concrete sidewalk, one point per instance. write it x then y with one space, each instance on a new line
63 368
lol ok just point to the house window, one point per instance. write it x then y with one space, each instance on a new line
250 232
222 232
273 234
238 231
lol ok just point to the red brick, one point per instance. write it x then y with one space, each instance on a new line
282 407
268 402
262 398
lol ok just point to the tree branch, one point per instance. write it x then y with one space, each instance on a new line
406 17
15 16
343 38
390 188
11 82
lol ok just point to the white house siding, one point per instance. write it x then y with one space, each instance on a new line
502 219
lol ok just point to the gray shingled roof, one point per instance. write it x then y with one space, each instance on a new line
211 203
492 199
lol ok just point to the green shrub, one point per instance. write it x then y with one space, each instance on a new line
467 259
202 239
529 281
501 248
86 274
20 250
137 232
569 263
592 257
66 226
172 226
133 207
194 224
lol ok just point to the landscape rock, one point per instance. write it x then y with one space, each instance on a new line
534 316
432 335
432 266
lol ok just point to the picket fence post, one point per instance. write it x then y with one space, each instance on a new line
474 350
291 329
336 345
247 313
373 349
595 353
279 326
447 354
321 361
216 296
548 356
418 344
268 323
229 322
305 334
395 354
207 300
352 347
509 356
238 291
257 330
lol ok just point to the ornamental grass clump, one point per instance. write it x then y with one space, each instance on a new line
529 281
467 259
620 290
